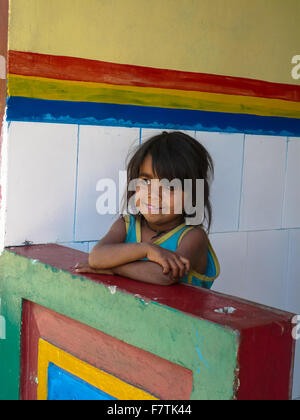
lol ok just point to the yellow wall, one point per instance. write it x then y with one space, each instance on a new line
244 38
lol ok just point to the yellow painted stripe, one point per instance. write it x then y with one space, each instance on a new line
52 89
95 377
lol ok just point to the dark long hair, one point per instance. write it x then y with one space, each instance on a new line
175 155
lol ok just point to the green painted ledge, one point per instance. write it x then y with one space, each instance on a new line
208 349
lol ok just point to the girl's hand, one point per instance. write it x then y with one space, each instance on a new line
85 268
171 262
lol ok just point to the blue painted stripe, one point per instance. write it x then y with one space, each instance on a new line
63 386
38 110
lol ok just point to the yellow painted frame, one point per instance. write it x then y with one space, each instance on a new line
95 377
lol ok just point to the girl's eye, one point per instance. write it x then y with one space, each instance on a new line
144 182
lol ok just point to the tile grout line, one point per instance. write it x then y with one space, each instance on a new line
255 230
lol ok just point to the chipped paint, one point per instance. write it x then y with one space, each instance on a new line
113 289
228 310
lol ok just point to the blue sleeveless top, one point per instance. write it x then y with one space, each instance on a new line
171 241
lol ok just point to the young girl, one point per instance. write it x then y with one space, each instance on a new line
157 246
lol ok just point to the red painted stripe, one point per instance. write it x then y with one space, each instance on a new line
78 69
194 301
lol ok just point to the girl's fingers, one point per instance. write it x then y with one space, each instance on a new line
83 270
181 266
87 269
81 266
187 264
165 265
174 268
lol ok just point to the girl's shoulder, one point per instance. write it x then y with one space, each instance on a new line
196 234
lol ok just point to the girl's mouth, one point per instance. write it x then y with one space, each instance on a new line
152 208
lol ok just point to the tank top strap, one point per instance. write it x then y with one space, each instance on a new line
131 231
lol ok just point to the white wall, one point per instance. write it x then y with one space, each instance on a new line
52 174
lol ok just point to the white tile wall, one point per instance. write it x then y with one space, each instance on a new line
266 271
253 265
291 216
79 246
231 250
41 182
102 153
226 151
293 274
263 183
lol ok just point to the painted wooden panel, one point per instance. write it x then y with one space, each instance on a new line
234 349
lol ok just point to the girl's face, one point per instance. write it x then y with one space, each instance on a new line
157 203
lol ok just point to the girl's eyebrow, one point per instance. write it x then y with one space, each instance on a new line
146 175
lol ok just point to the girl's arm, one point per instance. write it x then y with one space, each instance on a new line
193 250
146 271
112 255
111 251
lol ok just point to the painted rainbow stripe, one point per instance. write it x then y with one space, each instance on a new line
74 90
50 356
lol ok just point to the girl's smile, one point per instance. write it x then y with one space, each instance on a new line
152 208
156 209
